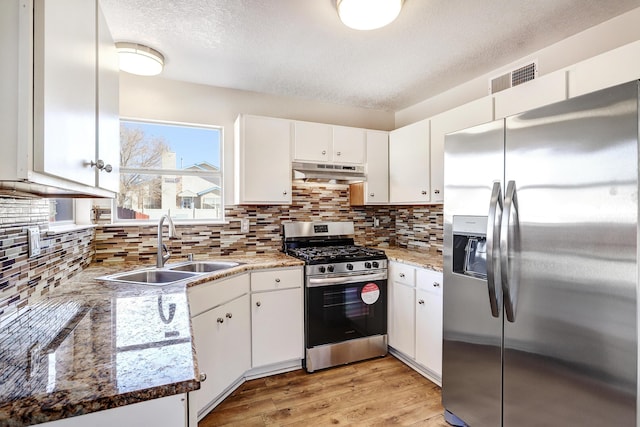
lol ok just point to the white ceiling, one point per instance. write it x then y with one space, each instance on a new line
300 48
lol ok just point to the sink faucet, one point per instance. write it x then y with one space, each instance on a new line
162 247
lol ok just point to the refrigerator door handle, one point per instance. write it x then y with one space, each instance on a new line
493 249
509 233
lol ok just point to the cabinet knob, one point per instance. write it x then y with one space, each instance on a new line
437 191
284 193
101 165
220 320
338 153
421 301
401 274
258 304
228 315
277 280
371 194
436 284
203 377
424 193
324 152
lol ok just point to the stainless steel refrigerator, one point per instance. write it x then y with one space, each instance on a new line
541 266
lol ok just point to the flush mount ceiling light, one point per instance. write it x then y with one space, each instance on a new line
368 14
139 59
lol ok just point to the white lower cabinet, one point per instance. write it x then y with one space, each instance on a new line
170 411
276 317
415 318
222 336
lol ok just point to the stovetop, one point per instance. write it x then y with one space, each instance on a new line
341 253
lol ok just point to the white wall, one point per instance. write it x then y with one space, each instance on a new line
155 98
609 35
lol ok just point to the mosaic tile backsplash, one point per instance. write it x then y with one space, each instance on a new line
418 227
65 254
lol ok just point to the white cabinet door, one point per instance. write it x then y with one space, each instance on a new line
312 142
263 160
170 411
605 70
402 336
377 185
471 114
536 93
409 164
65 89
429 320
349 145
223 348
108 108
277 332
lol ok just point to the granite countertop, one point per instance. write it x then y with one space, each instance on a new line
431 260
90 345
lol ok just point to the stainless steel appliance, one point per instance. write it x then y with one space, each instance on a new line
345 293
541 266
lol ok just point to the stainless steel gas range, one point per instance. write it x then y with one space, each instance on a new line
345 293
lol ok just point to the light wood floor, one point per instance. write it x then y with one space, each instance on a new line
379 392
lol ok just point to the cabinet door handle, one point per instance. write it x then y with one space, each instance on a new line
401 274
437 191
258 304
203 377
220 320
277 280
338 153
436 284
324 152
371 194
284 193
421 301
424 193
229 315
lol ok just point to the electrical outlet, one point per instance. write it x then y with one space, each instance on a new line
244 225
376 222
33 236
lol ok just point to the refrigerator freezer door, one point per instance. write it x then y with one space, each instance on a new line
570 355
472 337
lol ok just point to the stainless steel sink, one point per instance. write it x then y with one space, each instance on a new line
203 266
149 277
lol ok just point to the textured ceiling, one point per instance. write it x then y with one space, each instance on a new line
300 48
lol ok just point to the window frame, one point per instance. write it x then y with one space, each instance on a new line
115 220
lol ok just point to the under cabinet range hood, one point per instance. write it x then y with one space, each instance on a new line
326 172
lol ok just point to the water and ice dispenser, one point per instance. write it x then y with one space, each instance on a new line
470 246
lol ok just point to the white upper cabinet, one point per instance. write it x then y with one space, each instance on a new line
52 81
319 142
536 93
409 164
376 188
471 114
263 163
608 69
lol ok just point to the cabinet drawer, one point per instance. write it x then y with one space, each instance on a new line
429 280
211 294
276 279
402 273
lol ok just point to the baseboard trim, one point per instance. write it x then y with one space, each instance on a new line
428 374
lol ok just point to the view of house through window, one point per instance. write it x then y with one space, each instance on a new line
61 211
173 168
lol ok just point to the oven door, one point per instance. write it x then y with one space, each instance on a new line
341 308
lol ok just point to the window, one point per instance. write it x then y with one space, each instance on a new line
172 168
61 211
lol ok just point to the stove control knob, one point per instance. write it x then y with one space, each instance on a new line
322 269
375 264
330 269
367 264
349 266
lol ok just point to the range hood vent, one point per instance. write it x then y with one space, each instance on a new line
325 172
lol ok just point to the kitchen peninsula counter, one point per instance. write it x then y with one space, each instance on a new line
431 260
89 345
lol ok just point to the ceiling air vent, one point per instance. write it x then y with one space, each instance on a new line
513 78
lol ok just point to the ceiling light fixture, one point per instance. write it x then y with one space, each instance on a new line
139 59
368 14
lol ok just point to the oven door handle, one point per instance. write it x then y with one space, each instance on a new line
313 282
